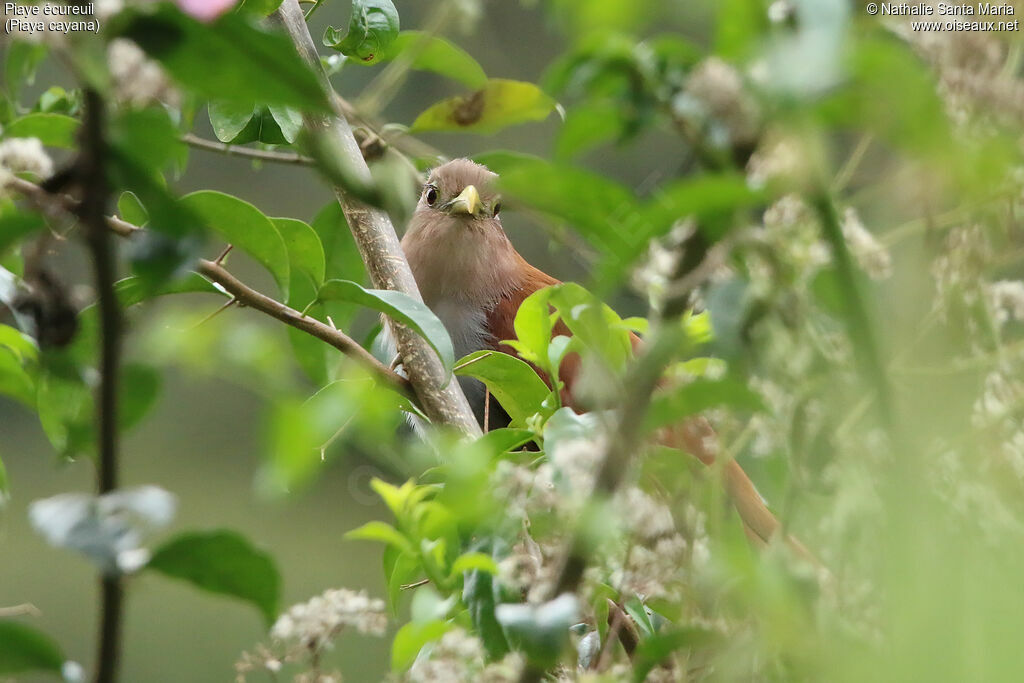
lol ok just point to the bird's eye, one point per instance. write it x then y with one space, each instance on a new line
497 208
431 196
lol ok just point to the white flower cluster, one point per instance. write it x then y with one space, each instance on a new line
958 271
138 80
317 622
23 155
872 257
459 657
1007 300
970 70
716 99
778 159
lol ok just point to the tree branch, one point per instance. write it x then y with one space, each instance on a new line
90 173
275 309
247 152
441 400
242 293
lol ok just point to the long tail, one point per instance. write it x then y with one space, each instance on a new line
697 437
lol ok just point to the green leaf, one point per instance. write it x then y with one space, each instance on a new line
150 136
704 196
289 122
500 441
140 386
656 648
372 27
594 325
53 130
431 53
603 210
222 562
244 226
261 8
129 208
533 326
739 26
230 59
500 103
23 648
132 290
65 413
15 380
587 126
473 561
411 638
305 252
229 119
481 594
401 308
382 532
20 61
698 396
18 225
399 569
516 385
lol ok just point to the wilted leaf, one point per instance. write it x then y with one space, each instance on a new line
222 562
498 104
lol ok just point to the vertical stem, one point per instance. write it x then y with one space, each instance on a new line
91 175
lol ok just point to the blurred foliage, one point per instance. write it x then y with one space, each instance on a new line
834 249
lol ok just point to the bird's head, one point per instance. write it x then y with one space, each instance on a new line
459 195
455 242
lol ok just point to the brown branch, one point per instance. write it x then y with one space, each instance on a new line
442 400
246 152
90 174
244 295
252 299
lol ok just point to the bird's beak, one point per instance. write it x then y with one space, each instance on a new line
468 202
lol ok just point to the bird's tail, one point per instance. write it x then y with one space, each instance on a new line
697 437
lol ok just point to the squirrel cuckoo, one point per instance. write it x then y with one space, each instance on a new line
474 280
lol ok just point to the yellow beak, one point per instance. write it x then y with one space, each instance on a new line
468 202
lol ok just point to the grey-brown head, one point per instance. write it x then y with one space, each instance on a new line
459 189
455 243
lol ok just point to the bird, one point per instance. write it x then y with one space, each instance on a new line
474 280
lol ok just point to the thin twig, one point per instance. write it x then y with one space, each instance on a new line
26 609
247 152
224 254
